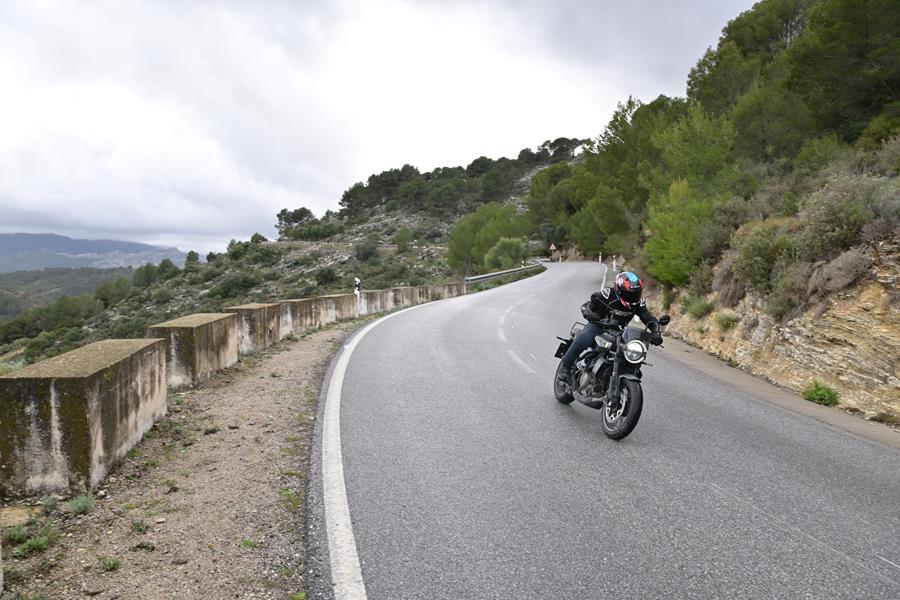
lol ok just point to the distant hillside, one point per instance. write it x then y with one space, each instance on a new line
33 251
26 289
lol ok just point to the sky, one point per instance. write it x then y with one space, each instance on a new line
188 123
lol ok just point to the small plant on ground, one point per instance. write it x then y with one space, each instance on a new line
49 504
108 563
886 418
248 543
82 504
726 321
820 394
695 306
37 542
15 535
139 526
290 499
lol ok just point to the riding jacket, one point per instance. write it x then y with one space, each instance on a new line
606 305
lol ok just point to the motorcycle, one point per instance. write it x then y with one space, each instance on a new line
607 374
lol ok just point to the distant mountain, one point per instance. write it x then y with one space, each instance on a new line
32 251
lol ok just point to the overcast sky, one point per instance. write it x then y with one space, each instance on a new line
190 123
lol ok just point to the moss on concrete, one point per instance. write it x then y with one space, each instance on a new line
84 361
194 320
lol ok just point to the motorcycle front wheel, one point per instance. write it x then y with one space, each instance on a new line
559 388
620 419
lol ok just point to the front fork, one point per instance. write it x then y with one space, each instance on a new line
612 393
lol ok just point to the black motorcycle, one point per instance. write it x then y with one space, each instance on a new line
607 375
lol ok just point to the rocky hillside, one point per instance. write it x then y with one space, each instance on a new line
848 338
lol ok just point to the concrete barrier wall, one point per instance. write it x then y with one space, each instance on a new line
338 307
65 420
259 325
306 313
197 346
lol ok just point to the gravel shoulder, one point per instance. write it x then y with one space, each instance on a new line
209 505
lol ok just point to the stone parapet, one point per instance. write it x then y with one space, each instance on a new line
259 325
64 421
197 346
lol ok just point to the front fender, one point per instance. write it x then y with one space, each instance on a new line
630 376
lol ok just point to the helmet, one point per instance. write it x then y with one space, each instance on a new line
628 288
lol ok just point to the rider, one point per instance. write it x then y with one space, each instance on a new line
619 303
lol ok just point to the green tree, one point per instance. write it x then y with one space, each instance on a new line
477 232
674 226
720 78
845 64
505 254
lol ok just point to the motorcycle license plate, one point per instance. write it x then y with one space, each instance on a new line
563 347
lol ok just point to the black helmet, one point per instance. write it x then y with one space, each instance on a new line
628 288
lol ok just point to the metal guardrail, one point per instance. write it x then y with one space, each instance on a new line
489 276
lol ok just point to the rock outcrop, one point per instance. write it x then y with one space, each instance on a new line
848 339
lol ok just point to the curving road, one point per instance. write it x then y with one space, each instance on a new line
465 479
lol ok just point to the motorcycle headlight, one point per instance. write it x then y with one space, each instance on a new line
635 351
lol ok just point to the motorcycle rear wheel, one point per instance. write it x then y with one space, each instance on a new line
559 388
620 422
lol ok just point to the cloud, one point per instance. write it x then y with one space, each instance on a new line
193 122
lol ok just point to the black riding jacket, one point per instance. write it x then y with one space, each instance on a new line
605 304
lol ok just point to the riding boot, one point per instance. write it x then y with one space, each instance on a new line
563 373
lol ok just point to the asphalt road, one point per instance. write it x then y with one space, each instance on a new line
466 479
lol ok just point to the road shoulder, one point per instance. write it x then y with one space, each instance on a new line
763 390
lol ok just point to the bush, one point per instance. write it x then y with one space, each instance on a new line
234 285
403 239
695 306
507 253
701 280
726 321
790 288
759 245
325 276
81 505
820 394
162 296
833 217
367 250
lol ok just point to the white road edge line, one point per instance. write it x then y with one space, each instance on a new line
501 335
346 574
887 561
502 319
520 362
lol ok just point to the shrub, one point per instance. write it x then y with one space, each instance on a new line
162 296
108 563
726 321
695 306
820 394
367 250
325 276
759 245
403 239
833 217
790 288
701 280
668 296
236 284
816 154
81 505
507 253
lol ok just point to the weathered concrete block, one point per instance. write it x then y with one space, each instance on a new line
375 301
306 313
405 296
197 346
286 320
259 325
65 420
339 307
